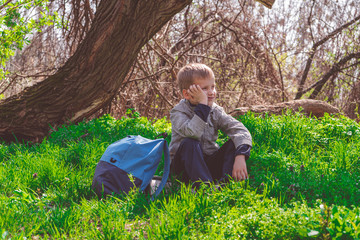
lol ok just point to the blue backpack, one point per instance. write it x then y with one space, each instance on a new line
131 161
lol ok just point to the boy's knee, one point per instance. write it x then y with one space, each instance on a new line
229 145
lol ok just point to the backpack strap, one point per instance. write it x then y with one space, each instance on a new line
166 170
163 135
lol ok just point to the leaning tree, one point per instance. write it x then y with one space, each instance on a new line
92 76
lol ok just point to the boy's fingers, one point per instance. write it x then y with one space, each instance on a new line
195 88
192 89
245 175
237 175
240 175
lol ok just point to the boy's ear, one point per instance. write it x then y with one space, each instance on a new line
185 94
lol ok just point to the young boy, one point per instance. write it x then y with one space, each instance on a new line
196 120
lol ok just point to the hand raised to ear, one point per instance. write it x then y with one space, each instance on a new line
197 95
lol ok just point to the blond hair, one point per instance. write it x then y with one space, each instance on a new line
190 72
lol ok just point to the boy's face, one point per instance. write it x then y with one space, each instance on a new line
206 93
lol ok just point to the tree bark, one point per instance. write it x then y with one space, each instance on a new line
311 107
92 76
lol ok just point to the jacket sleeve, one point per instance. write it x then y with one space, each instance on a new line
234 129
243 149
186 124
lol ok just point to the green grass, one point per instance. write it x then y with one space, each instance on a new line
304 184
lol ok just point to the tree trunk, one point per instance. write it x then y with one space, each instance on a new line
92 76
311 107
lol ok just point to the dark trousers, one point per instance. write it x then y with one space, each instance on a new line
191 165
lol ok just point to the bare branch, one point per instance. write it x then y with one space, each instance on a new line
336 68
300 90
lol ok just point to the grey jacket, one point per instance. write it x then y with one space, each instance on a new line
186 124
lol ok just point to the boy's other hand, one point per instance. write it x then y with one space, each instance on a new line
239 169
197 95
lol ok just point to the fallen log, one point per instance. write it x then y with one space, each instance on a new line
311 107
